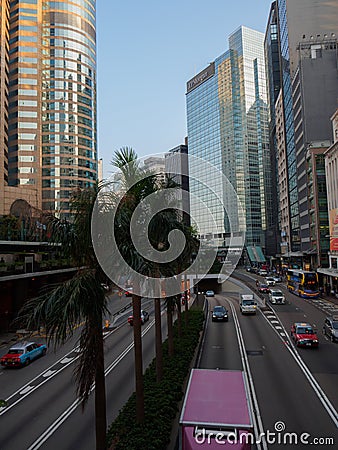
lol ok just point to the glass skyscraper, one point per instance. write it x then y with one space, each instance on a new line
306 37
294 239
51 97
227 115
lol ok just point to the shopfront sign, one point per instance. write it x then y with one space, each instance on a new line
334 230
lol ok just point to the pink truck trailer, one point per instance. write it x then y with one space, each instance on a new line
216 412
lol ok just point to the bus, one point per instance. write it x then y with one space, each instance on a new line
303 283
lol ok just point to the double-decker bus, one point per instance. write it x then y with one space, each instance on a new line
303 283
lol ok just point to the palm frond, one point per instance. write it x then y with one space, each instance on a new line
65 307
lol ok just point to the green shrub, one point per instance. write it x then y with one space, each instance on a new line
160 399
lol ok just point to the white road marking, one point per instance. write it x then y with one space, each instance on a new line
66 360
27 389
48 373
59 421
330 409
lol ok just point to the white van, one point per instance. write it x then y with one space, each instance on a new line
247 304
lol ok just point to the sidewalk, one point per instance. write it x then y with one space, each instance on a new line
7 339
329 298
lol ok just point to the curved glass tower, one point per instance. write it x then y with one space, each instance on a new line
52 98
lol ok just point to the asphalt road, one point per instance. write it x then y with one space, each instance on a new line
49 417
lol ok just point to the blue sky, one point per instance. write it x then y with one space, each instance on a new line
146 52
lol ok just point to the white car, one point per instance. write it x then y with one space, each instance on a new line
270 281
276 297
277 279
209 293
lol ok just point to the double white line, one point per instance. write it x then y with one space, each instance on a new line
256 415
64 416
313 382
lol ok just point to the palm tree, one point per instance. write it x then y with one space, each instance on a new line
79 300
134 189
137 185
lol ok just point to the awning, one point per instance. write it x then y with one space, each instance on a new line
328 272
313 251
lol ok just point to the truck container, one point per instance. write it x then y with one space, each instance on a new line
247 304
216 411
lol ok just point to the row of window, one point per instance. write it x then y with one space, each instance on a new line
54 44
71 32
67 74
68 150
65 64
52 53
65 183
66 161
66 172
71 7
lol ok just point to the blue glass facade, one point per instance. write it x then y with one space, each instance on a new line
228 126
289 125
274 84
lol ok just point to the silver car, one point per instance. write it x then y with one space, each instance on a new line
330 328
210 293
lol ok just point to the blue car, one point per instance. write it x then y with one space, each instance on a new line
22 354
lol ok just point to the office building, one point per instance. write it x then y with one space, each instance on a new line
330 274
156 165
315 93
306 42
272 62
177 169
48 99
227 118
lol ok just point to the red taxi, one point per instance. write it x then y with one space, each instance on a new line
304 335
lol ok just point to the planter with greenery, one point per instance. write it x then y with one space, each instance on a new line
161 399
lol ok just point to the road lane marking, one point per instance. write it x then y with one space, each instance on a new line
27 389
64 416
330 409
46 378
48 373
66 360
256 415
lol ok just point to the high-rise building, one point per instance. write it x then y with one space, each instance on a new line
330 274
293 214
48 98
274 83
177 169
315 93
307 57
156 165
227 116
